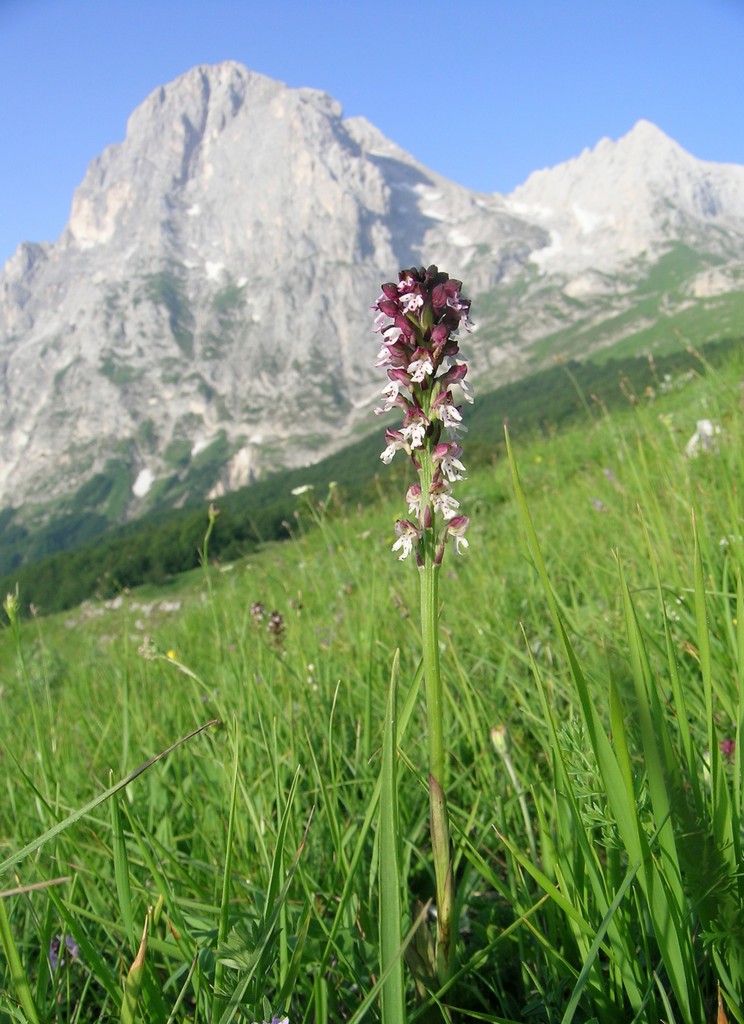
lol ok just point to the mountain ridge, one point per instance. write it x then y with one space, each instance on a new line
624 187
204 315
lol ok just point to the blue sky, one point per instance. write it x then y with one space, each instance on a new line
482 91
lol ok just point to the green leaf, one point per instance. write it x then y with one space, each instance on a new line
391 961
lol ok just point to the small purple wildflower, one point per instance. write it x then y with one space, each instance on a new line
55 947
727 747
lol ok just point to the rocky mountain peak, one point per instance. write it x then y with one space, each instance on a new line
173 138
210 292
204 318
621 191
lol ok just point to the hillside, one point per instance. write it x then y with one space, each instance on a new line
205 760
79 556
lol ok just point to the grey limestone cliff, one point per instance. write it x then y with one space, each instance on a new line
208 303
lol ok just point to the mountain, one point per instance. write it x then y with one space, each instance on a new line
632 197
204 318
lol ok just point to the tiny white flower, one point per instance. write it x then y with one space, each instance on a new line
390 394
419 368
467 390
413 497
703 440
411 301
456 529
451 417
392 335
445 504
414 432
405 545
407 534
452 468
395 442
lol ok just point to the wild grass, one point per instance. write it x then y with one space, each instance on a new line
593 658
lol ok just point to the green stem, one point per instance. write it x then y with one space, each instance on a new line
439 816
17 973
429 578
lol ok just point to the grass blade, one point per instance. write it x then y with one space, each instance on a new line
121 870
391 963
17 974
219 1001
61 826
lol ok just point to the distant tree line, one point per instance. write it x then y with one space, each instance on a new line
59 565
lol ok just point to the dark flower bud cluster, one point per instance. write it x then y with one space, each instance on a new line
274 621
275 625
419 319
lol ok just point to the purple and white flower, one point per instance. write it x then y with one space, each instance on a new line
408 534
392 397
420 369
419 318
444 503
447 457
413 500
415 424
395 443
449 414
456 528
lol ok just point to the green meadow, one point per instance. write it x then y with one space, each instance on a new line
592 646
